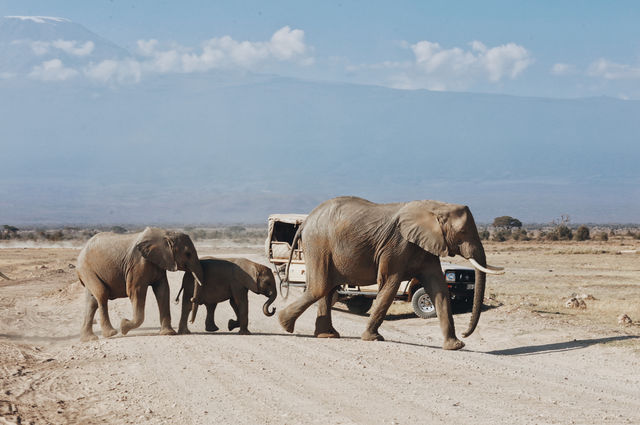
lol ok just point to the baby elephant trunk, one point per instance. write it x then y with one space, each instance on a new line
265 307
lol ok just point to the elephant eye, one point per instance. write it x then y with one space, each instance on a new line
188 254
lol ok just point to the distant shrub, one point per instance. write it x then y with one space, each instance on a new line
484 234
520 235
602 236
581 234
118 229
501 235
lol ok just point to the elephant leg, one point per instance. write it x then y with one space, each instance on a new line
385 297
101 294
161 291
241 301
234 323
91 305
324 325
210 322
186 309
290 314
317 288
138 298
439 293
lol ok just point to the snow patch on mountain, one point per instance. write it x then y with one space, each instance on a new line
40 19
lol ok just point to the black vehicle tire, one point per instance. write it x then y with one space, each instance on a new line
422 305
359 304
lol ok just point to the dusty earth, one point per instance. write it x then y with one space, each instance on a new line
531 360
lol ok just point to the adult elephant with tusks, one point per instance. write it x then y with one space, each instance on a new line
352 240
117 266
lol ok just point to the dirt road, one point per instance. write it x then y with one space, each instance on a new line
522 365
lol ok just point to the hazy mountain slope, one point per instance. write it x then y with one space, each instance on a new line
233 146
289 136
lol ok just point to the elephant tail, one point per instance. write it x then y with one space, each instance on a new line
178 296
296 238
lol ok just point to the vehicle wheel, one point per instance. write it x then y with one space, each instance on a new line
359 304
422 305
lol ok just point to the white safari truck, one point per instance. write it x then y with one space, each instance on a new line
282 229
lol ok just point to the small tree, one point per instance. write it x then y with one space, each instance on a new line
10 229
581 234
506 221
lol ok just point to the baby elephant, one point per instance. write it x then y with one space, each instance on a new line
228 279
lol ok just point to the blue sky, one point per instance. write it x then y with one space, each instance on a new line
543 48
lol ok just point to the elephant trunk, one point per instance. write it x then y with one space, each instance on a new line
265 307
478 295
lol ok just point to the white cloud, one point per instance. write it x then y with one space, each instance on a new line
70 47
225 52
285 45
114 71
563 69
613 71
438 68
52 70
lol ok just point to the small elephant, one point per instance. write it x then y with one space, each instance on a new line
114 266
227 279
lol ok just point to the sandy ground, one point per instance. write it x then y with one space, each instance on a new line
531 360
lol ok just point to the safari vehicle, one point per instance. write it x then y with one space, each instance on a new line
281 232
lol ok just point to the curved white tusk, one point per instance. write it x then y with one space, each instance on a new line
495 268
197 280
483 269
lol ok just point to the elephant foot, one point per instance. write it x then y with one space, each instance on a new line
210 327
452 344
286 322
371 336
244 332
233 324
333 334
125 326
324 328
88 336
109 332
184 331
167 331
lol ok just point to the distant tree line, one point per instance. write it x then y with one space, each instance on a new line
236 232
509 228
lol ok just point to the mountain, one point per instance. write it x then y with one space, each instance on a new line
28 41
233 147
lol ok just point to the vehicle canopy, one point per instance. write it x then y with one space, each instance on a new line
282 228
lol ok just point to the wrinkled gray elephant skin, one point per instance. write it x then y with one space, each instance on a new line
227 279
114 266
352 240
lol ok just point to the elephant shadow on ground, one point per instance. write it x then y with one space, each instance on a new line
560 346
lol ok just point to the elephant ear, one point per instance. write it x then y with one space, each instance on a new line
420 225
156 247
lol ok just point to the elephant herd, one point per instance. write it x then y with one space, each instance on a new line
345 240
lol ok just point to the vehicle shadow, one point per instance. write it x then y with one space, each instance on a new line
559 346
